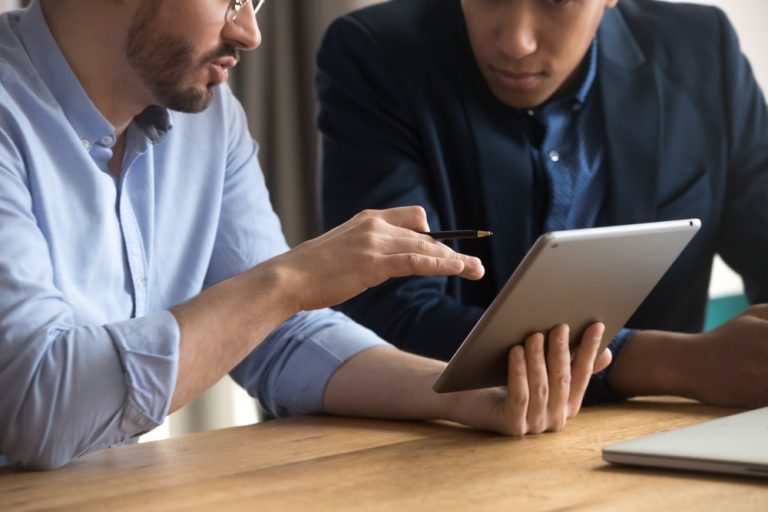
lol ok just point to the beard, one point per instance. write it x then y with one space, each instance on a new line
165 62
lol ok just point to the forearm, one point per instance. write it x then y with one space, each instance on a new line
657 363
430 322
223 324
384 382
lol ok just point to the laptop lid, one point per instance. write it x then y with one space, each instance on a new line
736 444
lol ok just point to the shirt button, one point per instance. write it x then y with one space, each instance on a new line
139 286
107 141
576 107
86 143
554 156
530 112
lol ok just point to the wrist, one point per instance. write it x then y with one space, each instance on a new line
268 286
657 363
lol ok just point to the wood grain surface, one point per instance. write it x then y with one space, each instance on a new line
327 463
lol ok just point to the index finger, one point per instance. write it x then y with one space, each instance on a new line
583 364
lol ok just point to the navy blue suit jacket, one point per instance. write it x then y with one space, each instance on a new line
406 118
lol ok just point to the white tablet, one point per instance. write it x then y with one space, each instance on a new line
575 277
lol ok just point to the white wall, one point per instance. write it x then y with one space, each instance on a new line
8 4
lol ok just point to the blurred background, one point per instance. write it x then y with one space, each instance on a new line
275 84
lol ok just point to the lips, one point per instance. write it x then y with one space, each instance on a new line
521 80
220 69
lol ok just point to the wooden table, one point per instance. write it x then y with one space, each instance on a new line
323 463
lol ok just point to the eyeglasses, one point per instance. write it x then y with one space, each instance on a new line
235 6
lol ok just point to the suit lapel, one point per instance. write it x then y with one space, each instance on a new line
499 159
633 117
507 179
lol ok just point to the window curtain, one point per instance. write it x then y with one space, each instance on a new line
276 85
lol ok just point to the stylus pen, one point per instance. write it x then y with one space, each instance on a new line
459 234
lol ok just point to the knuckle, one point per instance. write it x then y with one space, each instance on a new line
564 380
363 216
520 399
419 211
558 423
541 392
422 245
414 260
538 426
515 428
375 223
368 242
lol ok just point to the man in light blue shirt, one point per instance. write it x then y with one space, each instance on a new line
140 259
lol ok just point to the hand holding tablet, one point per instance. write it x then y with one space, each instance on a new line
576 278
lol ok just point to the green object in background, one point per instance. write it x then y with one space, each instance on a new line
722 309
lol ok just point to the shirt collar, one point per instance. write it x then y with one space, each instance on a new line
52 67
577 100
589 79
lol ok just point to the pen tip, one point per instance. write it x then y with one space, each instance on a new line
483 234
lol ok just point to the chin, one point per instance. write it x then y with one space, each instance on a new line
193 100
521 101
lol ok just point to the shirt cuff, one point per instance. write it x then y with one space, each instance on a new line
290 370
599 389
149 354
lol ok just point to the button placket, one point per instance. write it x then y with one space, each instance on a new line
134 244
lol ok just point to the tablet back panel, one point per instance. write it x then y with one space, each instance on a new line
576 277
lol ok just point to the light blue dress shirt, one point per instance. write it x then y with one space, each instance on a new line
89 266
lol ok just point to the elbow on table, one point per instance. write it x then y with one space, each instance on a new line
28 452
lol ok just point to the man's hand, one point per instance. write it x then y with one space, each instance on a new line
242 311
727 366
543 390
364 252
731 362
541 395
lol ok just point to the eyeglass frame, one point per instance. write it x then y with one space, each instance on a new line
235 6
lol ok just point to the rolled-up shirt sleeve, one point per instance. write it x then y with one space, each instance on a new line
69 389
289 371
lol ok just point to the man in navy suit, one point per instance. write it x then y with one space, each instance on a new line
526 116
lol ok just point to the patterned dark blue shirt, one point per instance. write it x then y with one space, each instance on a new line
566 140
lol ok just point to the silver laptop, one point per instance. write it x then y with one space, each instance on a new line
735 444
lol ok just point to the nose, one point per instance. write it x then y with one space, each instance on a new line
243 33
517 37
